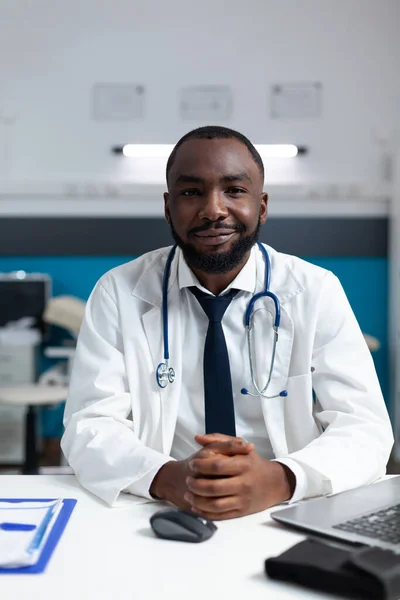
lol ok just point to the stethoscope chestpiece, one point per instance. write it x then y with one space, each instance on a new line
164 375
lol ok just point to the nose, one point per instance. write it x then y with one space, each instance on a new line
213 207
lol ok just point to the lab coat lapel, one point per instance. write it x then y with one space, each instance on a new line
167 397
285 287
273 408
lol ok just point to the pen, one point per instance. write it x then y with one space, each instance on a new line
17 527
40 533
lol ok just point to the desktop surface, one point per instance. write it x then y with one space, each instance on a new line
111 553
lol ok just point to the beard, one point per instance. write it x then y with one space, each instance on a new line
221 262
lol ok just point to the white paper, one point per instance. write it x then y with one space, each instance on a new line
23 548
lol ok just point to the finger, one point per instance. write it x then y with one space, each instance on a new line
210 438
230 448
214 488
204 453
212 505
216 437
218 466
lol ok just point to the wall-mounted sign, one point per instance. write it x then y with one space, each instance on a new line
118 101
296 100
206 103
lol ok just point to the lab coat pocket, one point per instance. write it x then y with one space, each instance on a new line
300 425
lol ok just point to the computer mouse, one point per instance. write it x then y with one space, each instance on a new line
182 526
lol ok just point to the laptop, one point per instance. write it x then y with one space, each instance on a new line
368 515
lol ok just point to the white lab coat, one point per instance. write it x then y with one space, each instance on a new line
117 418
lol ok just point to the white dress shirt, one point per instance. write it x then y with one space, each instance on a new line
249 420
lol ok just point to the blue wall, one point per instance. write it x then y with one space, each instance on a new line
365 281
73 275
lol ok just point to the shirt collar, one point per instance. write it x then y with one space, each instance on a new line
245 280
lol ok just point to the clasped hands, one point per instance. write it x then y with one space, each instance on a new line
226 478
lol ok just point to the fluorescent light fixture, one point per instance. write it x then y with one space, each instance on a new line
277 150
164 150
147 150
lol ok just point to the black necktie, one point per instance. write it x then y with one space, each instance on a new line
218 399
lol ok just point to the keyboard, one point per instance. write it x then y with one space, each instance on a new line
382 525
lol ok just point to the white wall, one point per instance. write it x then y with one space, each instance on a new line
52 52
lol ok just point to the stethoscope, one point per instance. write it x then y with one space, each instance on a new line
166 374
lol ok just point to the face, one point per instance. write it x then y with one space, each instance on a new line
215 203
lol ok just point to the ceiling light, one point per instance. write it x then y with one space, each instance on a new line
267 151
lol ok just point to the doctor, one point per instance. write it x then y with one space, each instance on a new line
171 398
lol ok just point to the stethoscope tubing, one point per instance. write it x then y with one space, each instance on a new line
166 374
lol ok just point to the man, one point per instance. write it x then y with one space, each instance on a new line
202 442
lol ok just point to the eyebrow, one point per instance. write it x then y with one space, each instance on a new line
225 179
236 177
189 179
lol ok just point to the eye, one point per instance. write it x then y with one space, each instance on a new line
191 192
235 191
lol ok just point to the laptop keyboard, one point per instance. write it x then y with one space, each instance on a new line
382 525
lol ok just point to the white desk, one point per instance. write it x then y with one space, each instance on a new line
111 553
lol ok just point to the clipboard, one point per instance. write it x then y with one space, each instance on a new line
53 539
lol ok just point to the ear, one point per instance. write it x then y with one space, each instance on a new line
166 207
264 208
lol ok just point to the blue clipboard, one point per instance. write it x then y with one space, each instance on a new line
53 539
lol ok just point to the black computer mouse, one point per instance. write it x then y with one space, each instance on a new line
175 524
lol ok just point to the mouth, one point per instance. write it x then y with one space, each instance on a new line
215 237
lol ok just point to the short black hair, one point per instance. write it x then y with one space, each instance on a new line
216 132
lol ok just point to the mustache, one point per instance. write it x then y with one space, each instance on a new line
217 225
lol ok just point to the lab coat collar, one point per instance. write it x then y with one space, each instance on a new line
149 286
284 282
245 279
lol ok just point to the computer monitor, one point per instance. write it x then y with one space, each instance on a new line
24 295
